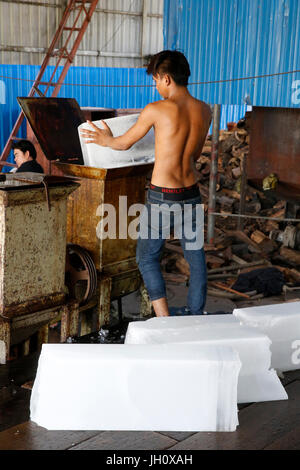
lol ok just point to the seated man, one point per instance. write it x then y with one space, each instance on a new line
25 157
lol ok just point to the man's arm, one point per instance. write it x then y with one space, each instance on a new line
105 138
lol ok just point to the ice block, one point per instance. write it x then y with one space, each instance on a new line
165 387
281 322
96 156
252 346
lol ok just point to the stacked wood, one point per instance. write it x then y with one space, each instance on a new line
235 252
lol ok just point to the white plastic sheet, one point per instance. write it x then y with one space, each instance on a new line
281 322
163 387
96 156
256 381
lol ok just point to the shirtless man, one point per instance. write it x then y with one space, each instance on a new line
181 123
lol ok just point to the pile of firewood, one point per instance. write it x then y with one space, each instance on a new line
234 251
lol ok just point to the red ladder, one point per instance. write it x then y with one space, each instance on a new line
83 10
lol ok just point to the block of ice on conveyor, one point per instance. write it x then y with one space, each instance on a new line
163 387
281 322
104 157
256 381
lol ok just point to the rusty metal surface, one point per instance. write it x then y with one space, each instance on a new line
32 249
93 114
99 186
10 309
275 147
81 171
54 121
125 283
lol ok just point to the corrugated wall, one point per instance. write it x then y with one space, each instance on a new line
90 86
121 32
229 39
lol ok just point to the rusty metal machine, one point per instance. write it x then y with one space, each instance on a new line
33 209
275 148
54 122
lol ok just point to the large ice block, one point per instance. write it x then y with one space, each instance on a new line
256 381
104 157
193 320
165 387
281 322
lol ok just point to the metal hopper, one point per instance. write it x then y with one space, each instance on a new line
54 122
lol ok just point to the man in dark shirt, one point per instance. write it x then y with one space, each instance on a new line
25 157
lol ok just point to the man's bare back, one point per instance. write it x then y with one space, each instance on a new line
181 126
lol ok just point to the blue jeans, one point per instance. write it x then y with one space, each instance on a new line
156 221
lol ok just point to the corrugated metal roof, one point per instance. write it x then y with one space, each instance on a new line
227 39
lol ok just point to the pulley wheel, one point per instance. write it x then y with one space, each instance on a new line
81 274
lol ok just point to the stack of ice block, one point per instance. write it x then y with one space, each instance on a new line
162 387
281 322
257 382
104 157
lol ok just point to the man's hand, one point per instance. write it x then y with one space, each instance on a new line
105 137
98 136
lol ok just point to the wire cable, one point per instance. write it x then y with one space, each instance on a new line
152 86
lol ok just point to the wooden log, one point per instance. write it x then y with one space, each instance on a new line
259 266
243 237
223 294
206 149
182 265
278 214
271 225
175 277
238 260
214 259
237 172
228 289
231 193
227 144
234 267
174 248
265 243
293 256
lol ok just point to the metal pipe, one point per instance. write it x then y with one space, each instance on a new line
255 217
213 173
240 223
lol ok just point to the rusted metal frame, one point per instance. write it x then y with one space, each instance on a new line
5 336
75 47
43 335
145 306
69 56
44 65
69 321
40 317
20 118
103 307
213 173
56 38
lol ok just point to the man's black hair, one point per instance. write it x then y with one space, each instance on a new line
25 145
173 63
